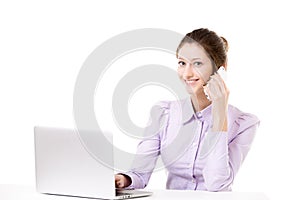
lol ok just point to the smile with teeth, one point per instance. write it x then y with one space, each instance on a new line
191 81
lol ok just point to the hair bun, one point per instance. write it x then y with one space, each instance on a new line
225 43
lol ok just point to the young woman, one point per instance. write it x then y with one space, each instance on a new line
219 135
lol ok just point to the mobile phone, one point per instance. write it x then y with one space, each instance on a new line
222 72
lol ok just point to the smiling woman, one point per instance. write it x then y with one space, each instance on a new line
195 69
201 141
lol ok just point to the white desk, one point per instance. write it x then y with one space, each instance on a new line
18 192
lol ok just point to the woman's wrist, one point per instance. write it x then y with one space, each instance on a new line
225 126
219 124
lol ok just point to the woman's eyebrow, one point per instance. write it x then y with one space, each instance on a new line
191 60
196 59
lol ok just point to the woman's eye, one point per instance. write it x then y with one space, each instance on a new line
181 63
197 63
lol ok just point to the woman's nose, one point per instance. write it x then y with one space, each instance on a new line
188 71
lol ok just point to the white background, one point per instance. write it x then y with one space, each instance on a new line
43 45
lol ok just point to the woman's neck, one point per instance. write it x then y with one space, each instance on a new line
200 102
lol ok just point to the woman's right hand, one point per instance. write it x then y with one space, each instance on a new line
122 181
218 93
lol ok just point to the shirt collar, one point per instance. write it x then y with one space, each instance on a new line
188 112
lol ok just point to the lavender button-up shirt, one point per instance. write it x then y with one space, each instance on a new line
195 157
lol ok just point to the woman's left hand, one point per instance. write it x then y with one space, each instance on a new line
218 93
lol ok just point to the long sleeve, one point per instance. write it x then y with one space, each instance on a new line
148 149
229 151
195 157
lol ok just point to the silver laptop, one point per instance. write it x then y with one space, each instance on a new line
64 167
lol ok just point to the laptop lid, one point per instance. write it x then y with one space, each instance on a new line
65 167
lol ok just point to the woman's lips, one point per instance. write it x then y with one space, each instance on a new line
191 82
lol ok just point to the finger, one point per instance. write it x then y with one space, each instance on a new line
214 90
206 91
117 178
219 87
219 81
226 90
119 184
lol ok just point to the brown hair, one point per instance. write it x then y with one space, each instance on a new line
216 47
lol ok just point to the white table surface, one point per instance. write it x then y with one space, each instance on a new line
20 192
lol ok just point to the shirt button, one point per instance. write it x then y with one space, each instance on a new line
193 180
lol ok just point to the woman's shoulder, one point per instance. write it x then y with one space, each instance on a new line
160 109
242 119
169 108
170 104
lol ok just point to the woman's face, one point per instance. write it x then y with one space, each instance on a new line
194 67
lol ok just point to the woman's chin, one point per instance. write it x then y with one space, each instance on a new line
191 91
194 90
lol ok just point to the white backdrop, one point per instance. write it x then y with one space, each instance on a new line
43 45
